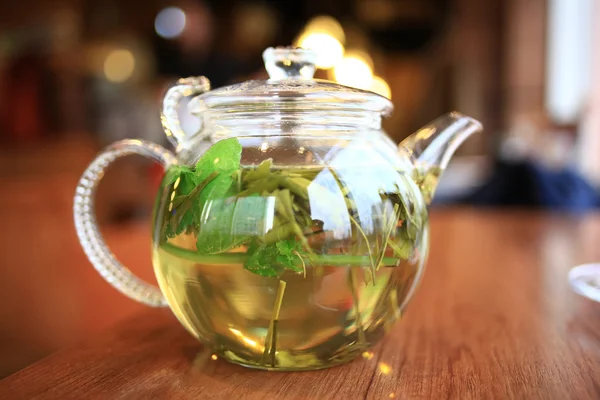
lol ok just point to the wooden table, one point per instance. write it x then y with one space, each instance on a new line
494 318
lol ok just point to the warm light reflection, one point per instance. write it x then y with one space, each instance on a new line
425 133
329 50
380 86
368 355
173 196
354 70
249 342
169 22
214 357
246 340
392 395
236 332
384 368
119 65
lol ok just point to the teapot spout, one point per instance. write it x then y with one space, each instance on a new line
432 146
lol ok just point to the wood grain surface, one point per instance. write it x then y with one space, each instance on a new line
494 318
48 291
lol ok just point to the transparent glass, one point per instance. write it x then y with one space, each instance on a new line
290 232
305 255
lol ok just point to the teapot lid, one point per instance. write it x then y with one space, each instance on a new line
291 84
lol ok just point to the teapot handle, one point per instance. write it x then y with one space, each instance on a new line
86 226
169 117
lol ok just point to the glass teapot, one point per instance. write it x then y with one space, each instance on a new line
289 232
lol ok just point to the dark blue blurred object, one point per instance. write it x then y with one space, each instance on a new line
530 184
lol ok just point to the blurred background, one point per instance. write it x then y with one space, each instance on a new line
76 75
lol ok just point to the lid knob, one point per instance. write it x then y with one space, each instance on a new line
289 63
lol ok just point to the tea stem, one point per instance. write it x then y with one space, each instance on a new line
271 338
386 238
240 258
352 280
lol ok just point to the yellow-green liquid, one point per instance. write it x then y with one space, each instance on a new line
342 303
321 322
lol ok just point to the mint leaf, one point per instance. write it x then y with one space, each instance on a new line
272 259
212 178
184 212
223 157
262 260
290 254
220 188
221 225
183 179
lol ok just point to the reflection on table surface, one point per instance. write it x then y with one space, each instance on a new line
494 318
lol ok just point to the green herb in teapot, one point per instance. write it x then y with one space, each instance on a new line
255 267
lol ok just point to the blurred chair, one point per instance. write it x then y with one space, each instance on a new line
529 183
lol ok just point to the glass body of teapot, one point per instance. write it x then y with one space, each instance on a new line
289 233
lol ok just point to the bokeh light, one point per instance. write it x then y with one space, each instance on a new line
169 22
326 24
119 65
329 50
355 70
325 36
381 87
